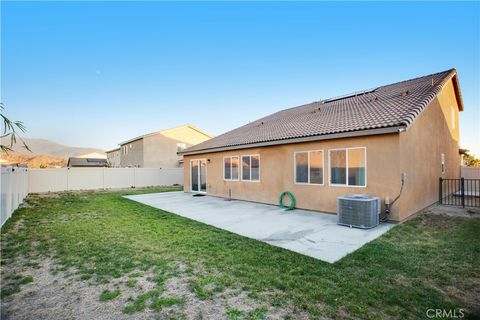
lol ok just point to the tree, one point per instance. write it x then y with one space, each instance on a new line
10 132
470 160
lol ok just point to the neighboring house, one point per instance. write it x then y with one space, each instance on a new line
113 158
94 155
359 143
86 162
160 149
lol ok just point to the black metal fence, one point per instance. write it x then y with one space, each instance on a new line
459 192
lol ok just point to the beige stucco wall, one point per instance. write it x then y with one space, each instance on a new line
161 152
421 147
134 157
417 152
277 173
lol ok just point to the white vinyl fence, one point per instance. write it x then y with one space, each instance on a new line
16 182
470 172
14 188
45 180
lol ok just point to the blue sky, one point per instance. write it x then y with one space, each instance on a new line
97 73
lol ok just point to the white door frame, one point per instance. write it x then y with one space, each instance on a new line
198 175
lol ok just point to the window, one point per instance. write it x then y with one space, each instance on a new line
338 166
230 165
251 168
181 147
309 167
348 167
125 150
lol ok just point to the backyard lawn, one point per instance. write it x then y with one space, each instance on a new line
97 255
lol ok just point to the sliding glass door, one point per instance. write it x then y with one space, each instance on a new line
198 175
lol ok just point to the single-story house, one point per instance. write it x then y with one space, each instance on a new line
366 142
86 162
160 149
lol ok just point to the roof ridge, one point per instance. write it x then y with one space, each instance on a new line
436 89
413 79
163 130
397 105
356 93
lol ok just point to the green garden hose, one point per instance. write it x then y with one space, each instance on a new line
293 202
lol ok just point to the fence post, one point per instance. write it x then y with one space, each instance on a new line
462 188
440 193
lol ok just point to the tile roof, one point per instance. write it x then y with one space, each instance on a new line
388 106
165 131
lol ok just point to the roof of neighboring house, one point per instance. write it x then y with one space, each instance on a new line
93 155
384 109
113 150
171 132
86 162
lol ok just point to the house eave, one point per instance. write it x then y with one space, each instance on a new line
350 134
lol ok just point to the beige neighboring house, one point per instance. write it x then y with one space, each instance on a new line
367 143
113 158
160 149
93 155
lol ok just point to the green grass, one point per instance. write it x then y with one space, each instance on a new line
109 295
431 262
131 283
12 284
26 280
140 302
256 314
159 303
235 314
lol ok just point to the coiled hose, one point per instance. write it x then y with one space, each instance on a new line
293 202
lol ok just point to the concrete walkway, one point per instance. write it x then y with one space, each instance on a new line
310 233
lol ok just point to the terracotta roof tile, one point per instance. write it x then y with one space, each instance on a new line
391 105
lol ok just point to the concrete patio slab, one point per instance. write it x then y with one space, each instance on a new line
310 233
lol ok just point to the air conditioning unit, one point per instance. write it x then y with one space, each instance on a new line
358 210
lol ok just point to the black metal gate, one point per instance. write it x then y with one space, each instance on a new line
459 192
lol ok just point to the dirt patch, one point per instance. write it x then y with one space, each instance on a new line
452 211
218 307
61 296
57 294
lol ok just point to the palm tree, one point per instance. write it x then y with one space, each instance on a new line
10 132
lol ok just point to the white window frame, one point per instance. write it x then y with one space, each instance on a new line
308 163
346 165
238 179
259 167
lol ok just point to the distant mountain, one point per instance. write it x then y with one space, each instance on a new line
33 161
50 148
